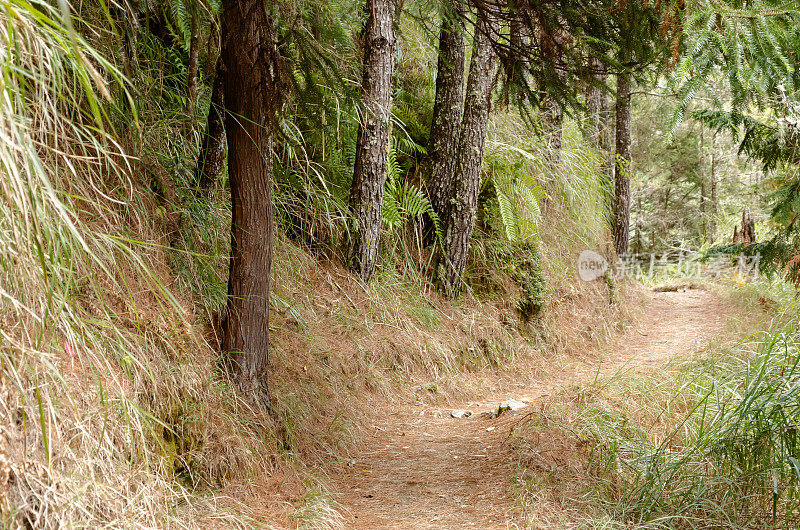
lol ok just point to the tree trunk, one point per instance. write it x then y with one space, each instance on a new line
212 150
703 208
447 110
554 124
748 232
253 89
703 194
460 217
622 190
369 175
194 53
593 102
605 142
713 214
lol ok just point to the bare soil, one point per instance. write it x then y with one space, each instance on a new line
420 468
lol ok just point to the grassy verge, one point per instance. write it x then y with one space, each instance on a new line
707 442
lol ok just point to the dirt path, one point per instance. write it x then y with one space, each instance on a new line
423 469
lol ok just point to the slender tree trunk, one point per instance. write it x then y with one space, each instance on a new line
366 194
622 210
447 110
593 102
639 228
703 208
194 54
460 219
713 224
253 89
703 194
212 150
554 125
606 144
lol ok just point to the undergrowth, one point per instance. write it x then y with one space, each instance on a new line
710 442
113 272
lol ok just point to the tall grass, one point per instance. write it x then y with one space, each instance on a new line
107 415
712 443
733 463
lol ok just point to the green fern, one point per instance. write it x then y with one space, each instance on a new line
507 215
403 201
512 176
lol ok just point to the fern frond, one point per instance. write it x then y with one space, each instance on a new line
507 214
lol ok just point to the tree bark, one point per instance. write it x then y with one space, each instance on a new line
447 110
253 88
606 145
593 102
748 231
212 150
703 194
369 175
194 54
713 223
623 164
460 217
554 124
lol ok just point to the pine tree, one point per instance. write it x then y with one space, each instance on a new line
460 218
253 92
372 146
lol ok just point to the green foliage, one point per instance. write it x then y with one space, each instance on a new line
754 47
526 270
316 40
774 144
739 462
521 261
752 44
668 182
512 176
771 141
774 257
403 203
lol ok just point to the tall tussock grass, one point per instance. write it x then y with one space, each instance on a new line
110 410
709 443
734 462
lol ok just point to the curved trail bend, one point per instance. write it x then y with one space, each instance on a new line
419 470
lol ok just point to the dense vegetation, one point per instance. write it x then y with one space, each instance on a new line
178 174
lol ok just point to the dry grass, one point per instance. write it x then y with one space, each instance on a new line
579 455
112 410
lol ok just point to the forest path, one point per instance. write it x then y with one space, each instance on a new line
419 469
